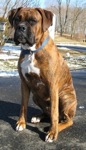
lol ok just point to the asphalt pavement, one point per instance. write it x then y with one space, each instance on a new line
74 47
32 138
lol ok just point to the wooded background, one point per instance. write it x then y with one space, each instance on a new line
70 15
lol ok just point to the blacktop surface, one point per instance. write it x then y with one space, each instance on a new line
32 138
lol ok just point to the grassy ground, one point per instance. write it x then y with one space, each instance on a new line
75 59
70 55
72 52
59 39
8 65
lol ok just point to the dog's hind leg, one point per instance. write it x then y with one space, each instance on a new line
64 125
68 117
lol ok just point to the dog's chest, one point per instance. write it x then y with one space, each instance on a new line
28 65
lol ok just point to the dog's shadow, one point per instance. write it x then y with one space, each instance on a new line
9 111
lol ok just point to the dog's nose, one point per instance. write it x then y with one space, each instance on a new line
21 27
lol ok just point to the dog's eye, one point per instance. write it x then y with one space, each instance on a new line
17 19
32 21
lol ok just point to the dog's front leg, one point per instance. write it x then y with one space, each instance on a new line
53 132
21 123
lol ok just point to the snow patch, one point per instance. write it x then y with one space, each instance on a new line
7 57
8 73
10 54
81 107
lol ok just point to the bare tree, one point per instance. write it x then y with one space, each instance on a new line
32 3
75 13
62 13
69 17
66 13
10 4
5 8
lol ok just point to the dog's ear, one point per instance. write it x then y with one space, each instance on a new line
47 18
11 15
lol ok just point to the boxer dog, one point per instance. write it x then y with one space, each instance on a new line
43 71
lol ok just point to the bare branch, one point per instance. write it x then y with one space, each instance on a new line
6 7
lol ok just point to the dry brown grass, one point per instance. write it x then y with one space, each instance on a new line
63 39
71 52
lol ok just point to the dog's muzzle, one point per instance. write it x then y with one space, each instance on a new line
24 35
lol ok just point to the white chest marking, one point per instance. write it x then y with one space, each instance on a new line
28 65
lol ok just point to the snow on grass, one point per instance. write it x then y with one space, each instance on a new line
8 73
71 44
8 60
7 57
10 54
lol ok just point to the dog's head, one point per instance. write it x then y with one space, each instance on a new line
29 24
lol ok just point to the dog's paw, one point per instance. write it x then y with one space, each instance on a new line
51 137
20 126
35 119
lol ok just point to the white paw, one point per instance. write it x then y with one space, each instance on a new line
35 120
48 139
19 128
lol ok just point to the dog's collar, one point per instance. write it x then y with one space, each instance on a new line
29 51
